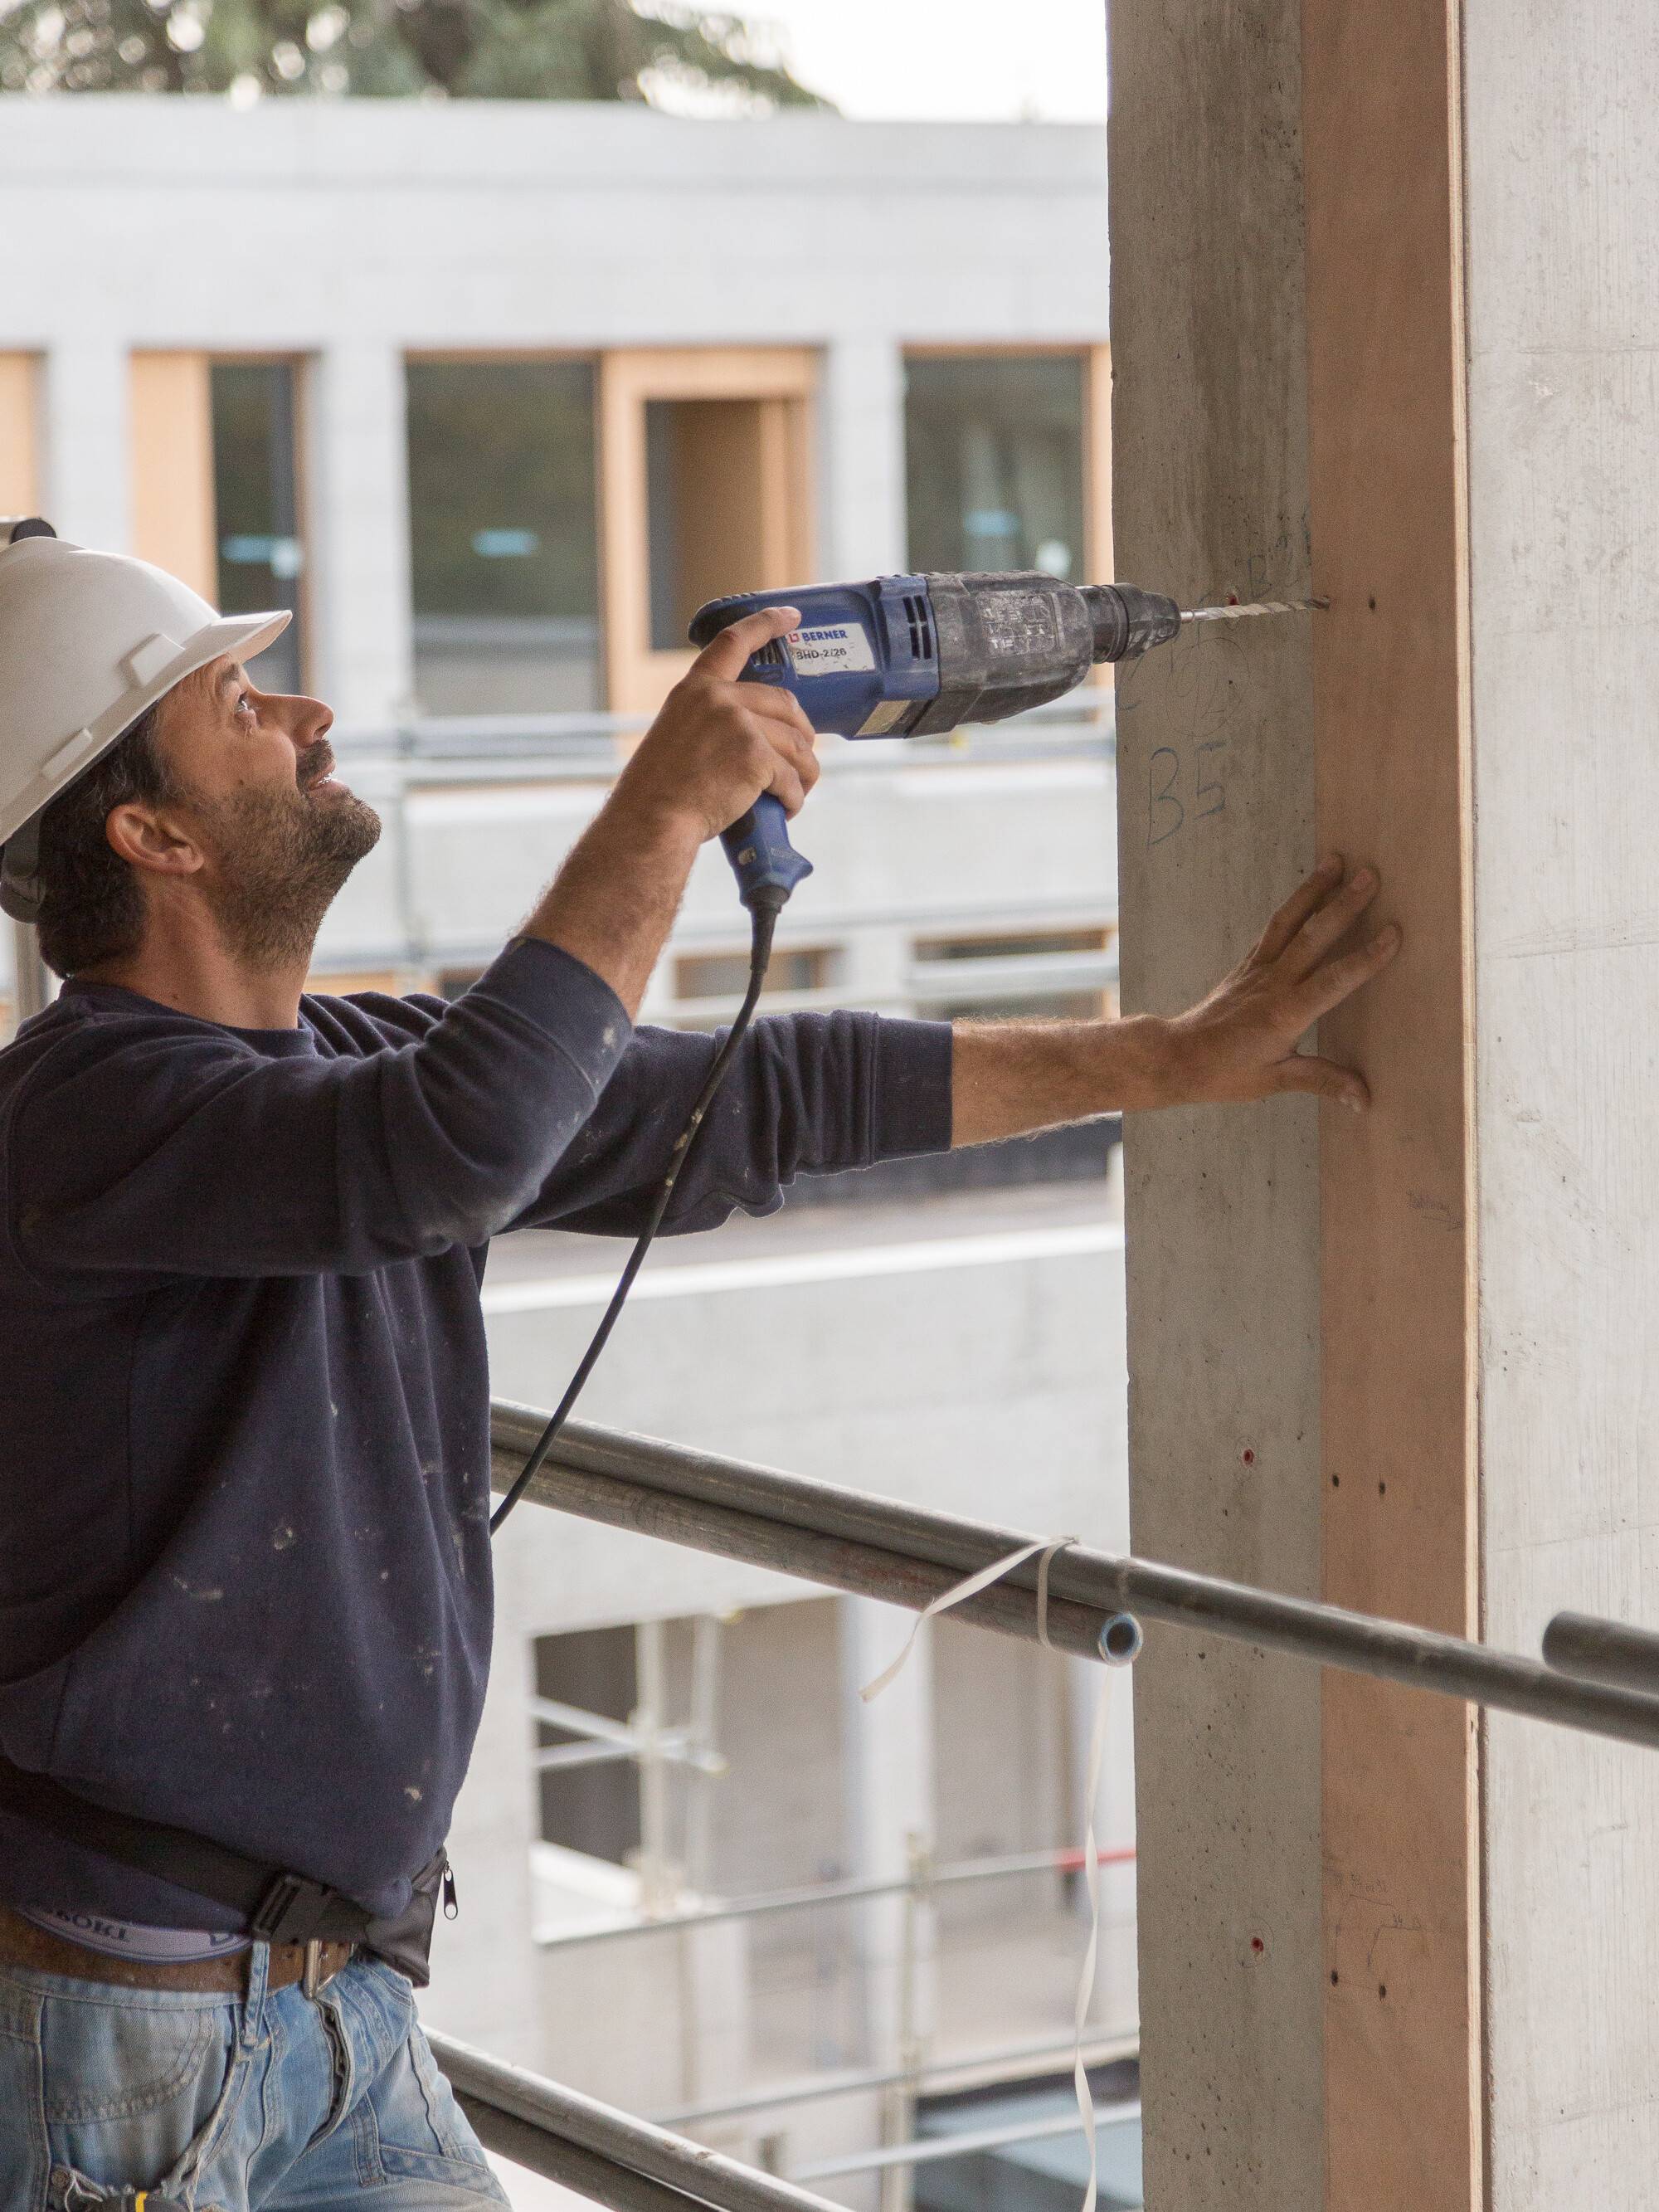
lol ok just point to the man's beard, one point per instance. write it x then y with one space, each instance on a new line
281 857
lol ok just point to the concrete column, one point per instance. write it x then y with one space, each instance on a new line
1437 381
1563 303
861 457
86 475
888 1755
358 472
1215 822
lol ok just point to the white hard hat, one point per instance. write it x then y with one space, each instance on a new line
87 642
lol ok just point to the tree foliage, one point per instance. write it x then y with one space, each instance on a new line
472 49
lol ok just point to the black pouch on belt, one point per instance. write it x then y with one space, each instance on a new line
405 1943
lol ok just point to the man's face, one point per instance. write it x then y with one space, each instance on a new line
255 795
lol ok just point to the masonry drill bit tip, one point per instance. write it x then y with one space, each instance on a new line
1256 607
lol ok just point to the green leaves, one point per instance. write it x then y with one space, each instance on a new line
395 49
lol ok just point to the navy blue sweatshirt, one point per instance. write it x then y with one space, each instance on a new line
245 1571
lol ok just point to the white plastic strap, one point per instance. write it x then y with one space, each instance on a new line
1085 1980
970 1587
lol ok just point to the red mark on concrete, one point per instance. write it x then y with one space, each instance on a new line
1257 1944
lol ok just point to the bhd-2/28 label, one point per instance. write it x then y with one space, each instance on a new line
834 649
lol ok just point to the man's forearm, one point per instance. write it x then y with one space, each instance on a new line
613 903
1008 1078
1237 1045
716 744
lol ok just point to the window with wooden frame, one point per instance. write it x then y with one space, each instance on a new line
705 489
217 496
503 536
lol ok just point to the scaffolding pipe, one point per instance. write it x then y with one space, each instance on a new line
648 1507
982 2063
627 2163
906 1555
852 1890
925 2150
1603 1651
597 2179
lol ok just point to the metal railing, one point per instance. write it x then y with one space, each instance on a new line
812 1895
923 1883
941 2076
627 2163
848 1540
601 2153
1597 1676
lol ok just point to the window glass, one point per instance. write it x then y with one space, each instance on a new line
591 1808
256 506
994 464
502 530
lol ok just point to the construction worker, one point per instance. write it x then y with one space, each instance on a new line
245 1566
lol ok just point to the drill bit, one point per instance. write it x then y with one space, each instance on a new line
1258 607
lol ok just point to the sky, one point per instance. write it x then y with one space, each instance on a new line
946 60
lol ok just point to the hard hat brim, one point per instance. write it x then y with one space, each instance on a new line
243 635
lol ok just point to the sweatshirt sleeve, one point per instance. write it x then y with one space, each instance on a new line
154 1146
805 1092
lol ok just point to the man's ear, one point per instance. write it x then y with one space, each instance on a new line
145 838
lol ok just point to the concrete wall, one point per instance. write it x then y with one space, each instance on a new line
1563 458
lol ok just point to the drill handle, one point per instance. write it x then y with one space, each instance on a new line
766 865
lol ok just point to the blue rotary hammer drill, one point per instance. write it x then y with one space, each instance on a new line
899 657
914 656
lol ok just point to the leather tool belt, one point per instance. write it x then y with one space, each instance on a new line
23 1944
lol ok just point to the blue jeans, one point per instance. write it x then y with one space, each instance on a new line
275 2103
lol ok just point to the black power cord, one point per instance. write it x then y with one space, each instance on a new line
763 908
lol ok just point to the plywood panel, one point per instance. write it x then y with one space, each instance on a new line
172 518
20 466
1097 459
1215 793
1386 467
720 465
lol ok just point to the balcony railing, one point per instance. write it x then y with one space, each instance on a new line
1597 1676
848 1540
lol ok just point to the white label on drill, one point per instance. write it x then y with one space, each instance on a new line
885 717
837 649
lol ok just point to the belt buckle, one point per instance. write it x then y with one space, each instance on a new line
311 1979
